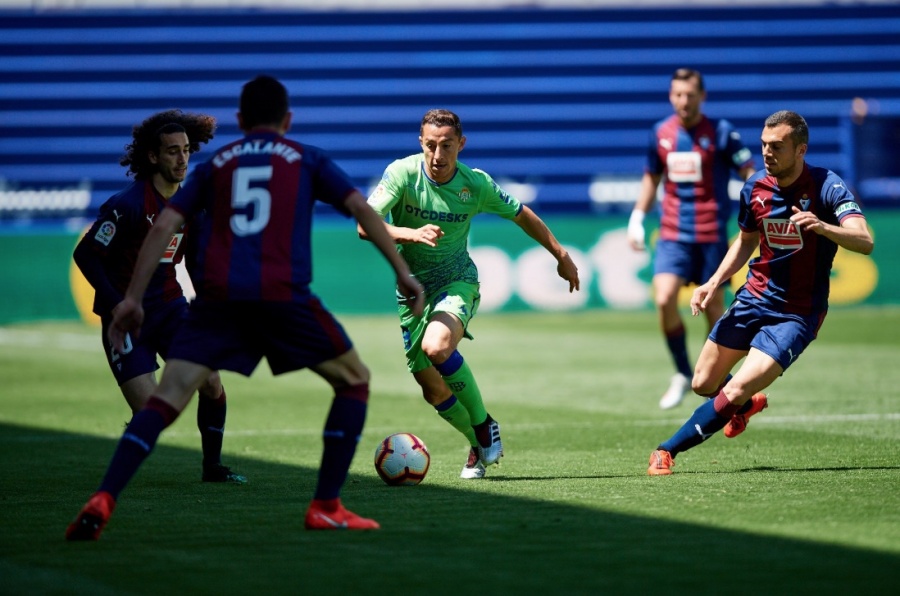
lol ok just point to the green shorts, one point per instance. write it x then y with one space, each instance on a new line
458 298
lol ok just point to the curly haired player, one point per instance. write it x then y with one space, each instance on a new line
158 159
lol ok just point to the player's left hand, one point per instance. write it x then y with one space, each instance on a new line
569 272
807 221
413 293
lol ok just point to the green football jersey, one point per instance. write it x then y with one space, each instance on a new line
411 200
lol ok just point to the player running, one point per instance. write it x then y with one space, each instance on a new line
430 199
696 155
797 215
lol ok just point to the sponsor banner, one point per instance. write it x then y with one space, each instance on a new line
41 282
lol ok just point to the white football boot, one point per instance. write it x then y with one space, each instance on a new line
678 388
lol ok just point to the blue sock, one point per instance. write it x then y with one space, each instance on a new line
703 423
136 444
342 431
446 404
676 340
451 365
211 422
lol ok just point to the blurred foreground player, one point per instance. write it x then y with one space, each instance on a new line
158 159
798 215
253 297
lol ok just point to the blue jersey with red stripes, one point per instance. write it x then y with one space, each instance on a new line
793 270
254 241
697 164
109 249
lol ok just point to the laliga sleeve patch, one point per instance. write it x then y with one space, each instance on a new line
106 232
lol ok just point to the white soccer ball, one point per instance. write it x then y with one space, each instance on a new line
402 459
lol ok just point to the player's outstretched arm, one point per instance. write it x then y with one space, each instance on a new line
535 227
373 228
738 253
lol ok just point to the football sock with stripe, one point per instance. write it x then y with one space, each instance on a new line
211 422
341 434
461 381
456 414
676 340
136 444
708 419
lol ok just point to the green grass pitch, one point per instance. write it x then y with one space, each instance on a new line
807 500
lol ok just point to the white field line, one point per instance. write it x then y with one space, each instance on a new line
538 426
800 419
79 342
377 430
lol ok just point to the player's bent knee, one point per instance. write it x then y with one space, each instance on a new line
343 371
212 386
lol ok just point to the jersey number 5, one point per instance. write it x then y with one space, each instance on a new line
254 202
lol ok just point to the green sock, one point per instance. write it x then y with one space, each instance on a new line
456 414
462 384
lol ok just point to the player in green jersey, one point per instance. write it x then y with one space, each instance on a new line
430 199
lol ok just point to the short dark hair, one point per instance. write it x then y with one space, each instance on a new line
438 117
686 74
799 129
264 100
147 136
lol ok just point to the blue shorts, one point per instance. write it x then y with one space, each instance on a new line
161 323
782 336
236 335
695 262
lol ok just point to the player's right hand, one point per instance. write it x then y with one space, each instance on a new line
635 231
128 316
428 234
700 298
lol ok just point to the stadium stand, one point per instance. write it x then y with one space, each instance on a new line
557 103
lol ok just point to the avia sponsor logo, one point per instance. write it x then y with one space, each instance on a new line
429 215
782 233
172 248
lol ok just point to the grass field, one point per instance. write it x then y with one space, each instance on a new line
806 501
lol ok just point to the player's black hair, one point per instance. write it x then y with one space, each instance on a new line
439 118
799 129
686 74
264 101
147 136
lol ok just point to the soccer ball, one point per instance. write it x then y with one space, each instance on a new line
402 459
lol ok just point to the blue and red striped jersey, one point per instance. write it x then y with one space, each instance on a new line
697 164
254 241
793 270
109 249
